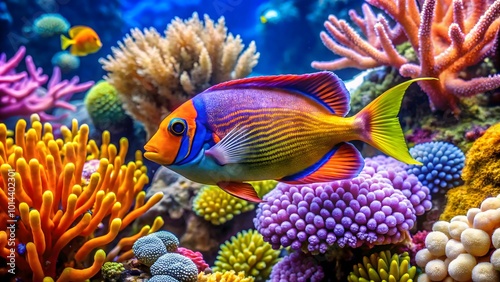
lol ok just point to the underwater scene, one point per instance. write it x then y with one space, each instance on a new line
250 140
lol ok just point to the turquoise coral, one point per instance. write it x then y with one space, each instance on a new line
384 267
48 25
247 252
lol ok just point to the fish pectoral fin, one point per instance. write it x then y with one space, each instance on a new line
241 190
233 148
343 162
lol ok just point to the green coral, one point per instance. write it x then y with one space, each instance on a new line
111 271
218 207
105 108
247 252
382 267
65 61
48 25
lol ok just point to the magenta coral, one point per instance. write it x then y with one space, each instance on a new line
377 207
23 94
196 257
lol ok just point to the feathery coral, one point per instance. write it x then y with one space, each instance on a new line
448 36
228 276
64 217
155 74
247 252
384 267
442 165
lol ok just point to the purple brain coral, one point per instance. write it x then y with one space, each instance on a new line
377 207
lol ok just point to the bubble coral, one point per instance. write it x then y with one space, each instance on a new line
148 249
466 248
176 266
65 61
247 252
48 25
105 108
384 267
155 74
366 210
442 165
295 267
219 207
64 218
228 276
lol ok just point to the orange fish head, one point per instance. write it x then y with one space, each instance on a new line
174 138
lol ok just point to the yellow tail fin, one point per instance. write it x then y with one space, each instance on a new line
382 128
65 42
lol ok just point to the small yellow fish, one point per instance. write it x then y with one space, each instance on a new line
83 41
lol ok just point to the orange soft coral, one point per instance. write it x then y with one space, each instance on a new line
62 216
448 36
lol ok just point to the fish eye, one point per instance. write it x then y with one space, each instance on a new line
177 126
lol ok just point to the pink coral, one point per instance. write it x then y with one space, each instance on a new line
22 94
196 257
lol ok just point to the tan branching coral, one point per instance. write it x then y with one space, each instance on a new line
155 74
447 35
67 197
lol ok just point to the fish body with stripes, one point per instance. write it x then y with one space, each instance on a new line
291 128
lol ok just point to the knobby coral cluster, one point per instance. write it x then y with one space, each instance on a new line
22 94
155 74
448 36
56 217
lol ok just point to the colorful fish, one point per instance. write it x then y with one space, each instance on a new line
84 40
290 128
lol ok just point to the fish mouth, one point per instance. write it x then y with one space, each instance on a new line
152 154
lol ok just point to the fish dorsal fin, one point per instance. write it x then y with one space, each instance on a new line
325 87
343 162
77 29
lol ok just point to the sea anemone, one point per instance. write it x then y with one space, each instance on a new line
247 252
384 267
442 165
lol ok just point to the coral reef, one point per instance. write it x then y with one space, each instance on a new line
442 165
48 25
448 37
22 94
228 276
247 252
384 267
196 257
112 271
466 248
155 74
61 217
481 175
106 110
297 266
370 209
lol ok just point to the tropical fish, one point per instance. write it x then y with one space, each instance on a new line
83 41
290 128
270 16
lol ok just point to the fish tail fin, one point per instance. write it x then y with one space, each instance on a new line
380 123
65 42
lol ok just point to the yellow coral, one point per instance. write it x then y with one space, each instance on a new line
228 276
59 211
247 252
384 267
481 175
155 74
219 207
